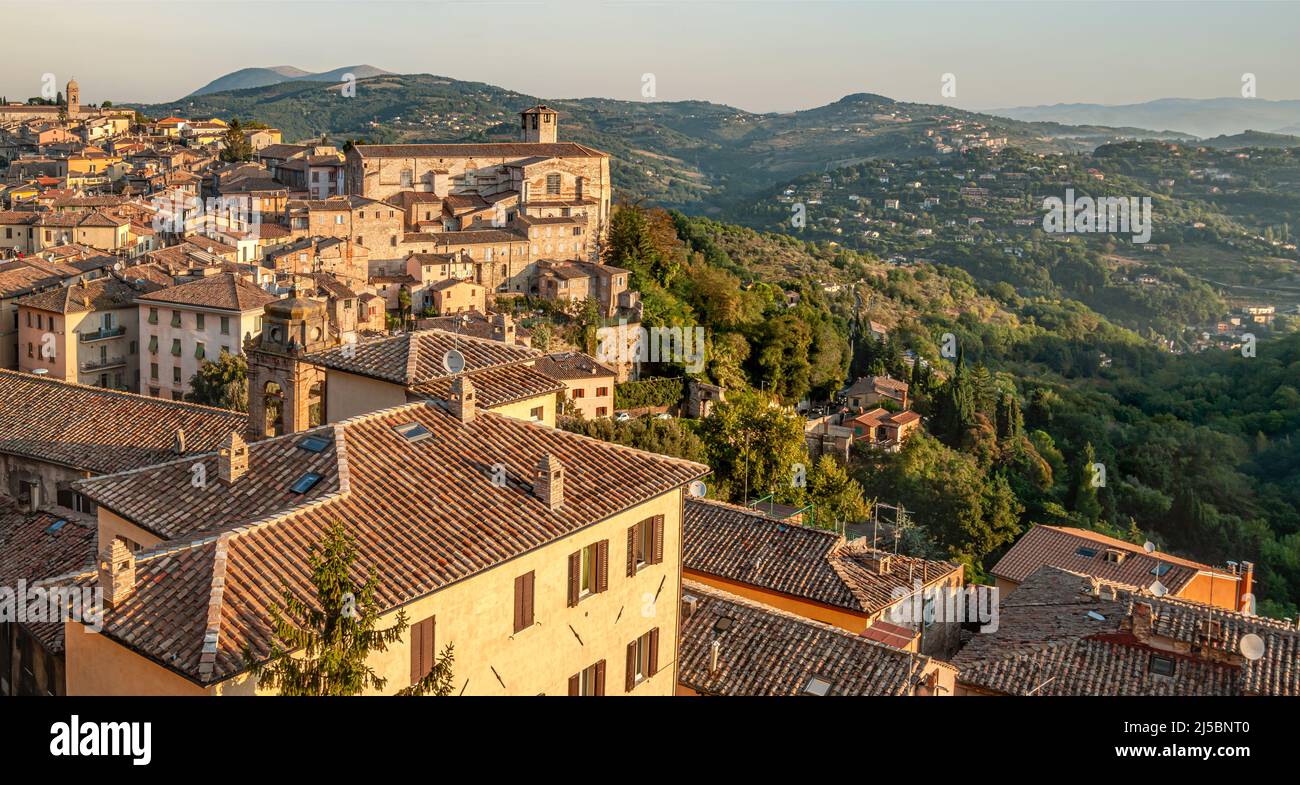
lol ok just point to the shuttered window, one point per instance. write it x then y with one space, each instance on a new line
657 540
641 540
524 601
588 571
642 658
422 636
588 681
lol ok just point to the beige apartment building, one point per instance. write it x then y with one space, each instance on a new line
577 595
86 333
182 327
588 384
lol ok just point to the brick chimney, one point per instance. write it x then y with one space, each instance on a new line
548 484
503 327
1139 620
232 459
463 399
1247 581
116 572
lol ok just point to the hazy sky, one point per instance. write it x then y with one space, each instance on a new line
761 55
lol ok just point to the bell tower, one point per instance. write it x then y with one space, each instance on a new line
285 393
539 124
73 93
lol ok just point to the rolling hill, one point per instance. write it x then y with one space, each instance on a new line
1201 117
246 78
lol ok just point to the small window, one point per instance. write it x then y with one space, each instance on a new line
536 413
413 431
1086 553
198 321
1115 557
553 184
225 325
176 374
305 483
1162 666
314 444
817 686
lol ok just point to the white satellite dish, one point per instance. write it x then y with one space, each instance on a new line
1158 589
1149 547
698 489
1252 646
453 361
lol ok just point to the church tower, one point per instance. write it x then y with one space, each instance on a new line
539 124
73 94
286 394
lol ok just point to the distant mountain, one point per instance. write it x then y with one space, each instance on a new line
246 78
1203 117
679 153
1252 139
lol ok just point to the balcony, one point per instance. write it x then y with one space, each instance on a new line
104 364
102 334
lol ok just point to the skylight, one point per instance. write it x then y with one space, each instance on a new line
305 483
817 686
54 527
413 431
1087 553
1161 569
314 443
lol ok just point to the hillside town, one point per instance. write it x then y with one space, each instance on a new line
387 306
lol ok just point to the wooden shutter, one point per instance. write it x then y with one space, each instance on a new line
657 556
575 575
631 665
652 656
575 683
523 601
631 550
602 565
422 648
600 678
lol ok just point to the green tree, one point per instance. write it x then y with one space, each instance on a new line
836 497
235 145
1086 505
753 446
222 383
321 647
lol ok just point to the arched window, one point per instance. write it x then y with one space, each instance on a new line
273 403
315 406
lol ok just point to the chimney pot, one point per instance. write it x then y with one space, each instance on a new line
715 651
178 443
549 483
232 459
464 400
116 572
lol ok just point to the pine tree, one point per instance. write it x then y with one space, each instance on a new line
321 646
236 146
1086 504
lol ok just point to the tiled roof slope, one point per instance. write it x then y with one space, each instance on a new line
100 430
97 295
1057 636
769 652
484 150
425 513
416 358
225 291
1058 546
572 365
30 551
497 386
743 545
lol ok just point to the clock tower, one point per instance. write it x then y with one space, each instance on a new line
286 394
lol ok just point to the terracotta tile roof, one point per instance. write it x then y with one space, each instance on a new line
572 365
226 291
416 358
1084 551
769 652
746 546
1065 633
471 323
98 295
485 150
497 385
882 385
425 513
100 430
35 546
472 237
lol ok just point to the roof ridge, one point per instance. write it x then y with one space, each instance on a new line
110 391
216 595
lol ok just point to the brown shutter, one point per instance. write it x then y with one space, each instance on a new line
602 565
574 684
658 555
600 678
422 648
631 665
652 658
575 575
631 551
528 599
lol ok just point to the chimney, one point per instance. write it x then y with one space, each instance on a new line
1247 581
715 650
178 442
232 459
503 327
463 399
549 483
1140 620
116 572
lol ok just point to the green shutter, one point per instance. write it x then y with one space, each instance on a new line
153 344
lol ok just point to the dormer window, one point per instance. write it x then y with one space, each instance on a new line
1114 557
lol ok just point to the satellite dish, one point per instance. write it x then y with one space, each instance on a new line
453 361
697 489
1252 646
1149 547
1158 589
